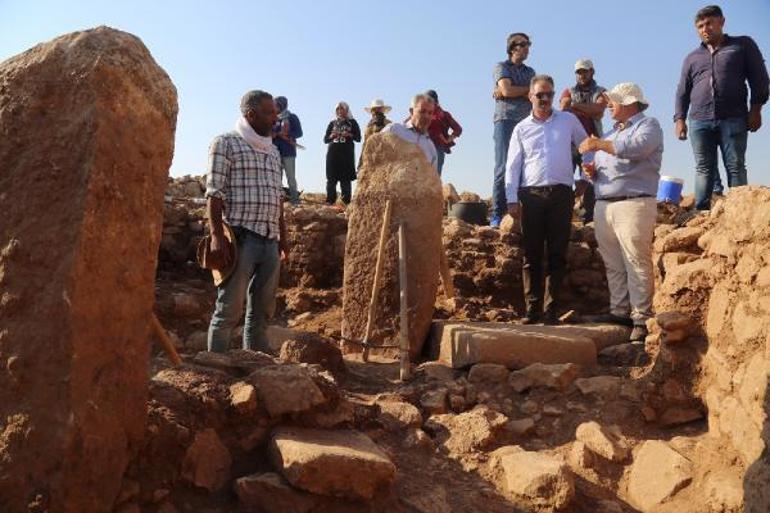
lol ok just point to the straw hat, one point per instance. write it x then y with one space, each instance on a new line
204 255
627 93
378 104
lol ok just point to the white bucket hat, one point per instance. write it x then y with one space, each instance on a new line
378 104
584 64
627 93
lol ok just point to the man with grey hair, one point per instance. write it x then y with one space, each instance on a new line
538 186
243 189
415 129
625 175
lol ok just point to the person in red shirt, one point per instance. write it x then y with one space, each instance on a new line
439 130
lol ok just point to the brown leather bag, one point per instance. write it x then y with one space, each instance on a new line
204 255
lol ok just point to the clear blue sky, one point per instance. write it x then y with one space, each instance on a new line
317 53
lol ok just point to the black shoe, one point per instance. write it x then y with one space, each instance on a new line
610 319
531 317
551 318
638 334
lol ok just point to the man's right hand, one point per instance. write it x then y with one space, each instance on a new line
681 129
220 257
514 210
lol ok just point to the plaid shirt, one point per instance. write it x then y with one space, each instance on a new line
248 182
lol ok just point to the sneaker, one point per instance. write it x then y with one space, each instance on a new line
638 334
495 221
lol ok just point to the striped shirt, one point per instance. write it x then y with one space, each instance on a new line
248 183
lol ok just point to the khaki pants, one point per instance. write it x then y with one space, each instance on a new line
624 231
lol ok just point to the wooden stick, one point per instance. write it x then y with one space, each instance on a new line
404 366
377 279
162 336
446 275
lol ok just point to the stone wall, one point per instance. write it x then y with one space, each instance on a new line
716 268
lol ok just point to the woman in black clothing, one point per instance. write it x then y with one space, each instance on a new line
340 155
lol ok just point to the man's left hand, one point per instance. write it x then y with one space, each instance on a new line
754 121
497 94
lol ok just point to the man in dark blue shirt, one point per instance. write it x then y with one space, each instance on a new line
713 88
286 131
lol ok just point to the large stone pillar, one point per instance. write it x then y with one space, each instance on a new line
397 170
87 127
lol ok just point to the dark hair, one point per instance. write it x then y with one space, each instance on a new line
541 78
433 94
710 11
252 99
282 103
509 44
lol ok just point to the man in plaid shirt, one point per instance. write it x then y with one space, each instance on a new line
243 188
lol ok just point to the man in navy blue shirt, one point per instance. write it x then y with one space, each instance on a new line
713 89
286 131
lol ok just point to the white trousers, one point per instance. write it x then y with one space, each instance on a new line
624 231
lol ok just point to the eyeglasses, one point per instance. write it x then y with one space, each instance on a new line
524 44
547 95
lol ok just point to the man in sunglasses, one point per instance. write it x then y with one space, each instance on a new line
512 78
538 184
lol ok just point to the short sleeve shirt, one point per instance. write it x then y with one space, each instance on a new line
513 108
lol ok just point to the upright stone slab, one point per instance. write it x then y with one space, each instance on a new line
397 170
87 127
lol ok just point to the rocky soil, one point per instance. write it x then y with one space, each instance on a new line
683 430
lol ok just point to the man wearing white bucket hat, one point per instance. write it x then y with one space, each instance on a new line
625 173
377 109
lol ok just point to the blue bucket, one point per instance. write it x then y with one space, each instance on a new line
670 189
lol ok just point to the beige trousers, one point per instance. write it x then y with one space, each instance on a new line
624 231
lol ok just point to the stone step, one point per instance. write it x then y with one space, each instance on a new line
460 344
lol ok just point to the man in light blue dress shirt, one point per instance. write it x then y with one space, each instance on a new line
415 130
538 188
625 173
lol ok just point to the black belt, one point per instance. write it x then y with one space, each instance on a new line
613 199
544 188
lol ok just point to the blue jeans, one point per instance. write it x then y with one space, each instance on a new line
730 136
440 156
502 137
254 282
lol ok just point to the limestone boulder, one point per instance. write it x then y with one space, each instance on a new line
287 389
606 441
394 170
341 463
207 462
555 376
87 126
538 479
270 493
657 474
470 431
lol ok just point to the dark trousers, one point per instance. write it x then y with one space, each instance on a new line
331 191
546 222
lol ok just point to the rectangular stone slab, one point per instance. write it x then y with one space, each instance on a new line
461 344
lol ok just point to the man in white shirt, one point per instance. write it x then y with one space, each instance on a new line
415 130
538 188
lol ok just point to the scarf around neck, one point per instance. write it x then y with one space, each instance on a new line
259 143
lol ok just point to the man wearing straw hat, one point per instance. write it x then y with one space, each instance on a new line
243 188
377 109
625 174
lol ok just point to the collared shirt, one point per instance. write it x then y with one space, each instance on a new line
713 85
248 182
540 152
410 134
513 108
586 95
635 167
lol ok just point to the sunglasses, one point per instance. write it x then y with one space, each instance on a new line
544 95
525 44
